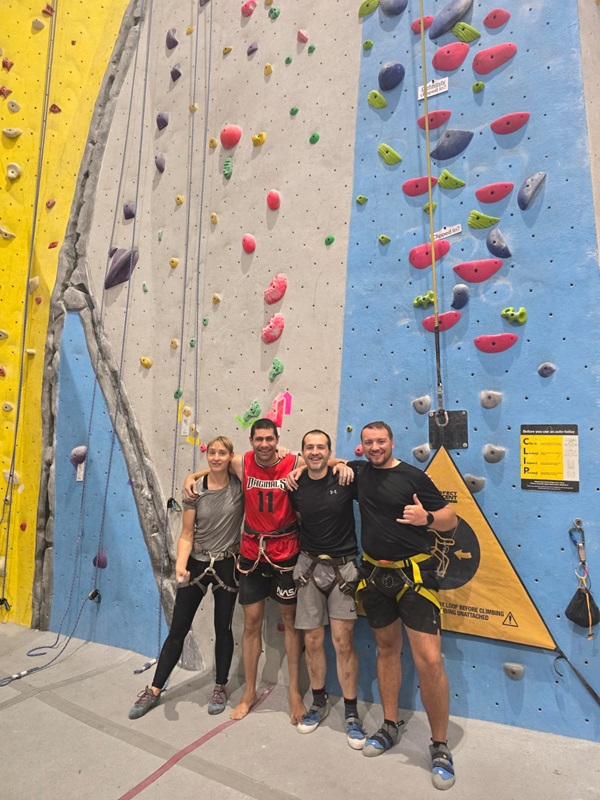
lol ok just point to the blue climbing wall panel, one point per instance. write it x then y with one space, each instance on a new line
389 359
95 514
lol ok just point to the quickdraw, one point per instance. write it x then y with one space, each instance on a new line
337 580
416 584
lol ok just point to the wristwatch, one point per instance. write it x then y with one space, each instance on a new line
430 518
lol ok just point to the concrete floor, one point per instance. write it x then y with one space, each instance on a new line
65 734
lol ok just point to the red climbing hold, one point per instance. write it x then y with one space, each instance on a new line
273 329
7 64
495 343
302 36
54 109
358 450
510 122
494 192
2 372
417 186
50 203
273 199
446 321
48 10
23 526
5 91
230 136
478 271
436 119
496 18
52 245
38 300
487 61
450 56
248 8
248 243
415 26
420 256
276 289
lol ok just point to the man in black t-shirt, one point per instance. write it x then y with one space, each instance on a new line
398 504
327 576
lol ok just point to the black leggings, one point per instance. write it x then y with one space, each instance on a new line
187 600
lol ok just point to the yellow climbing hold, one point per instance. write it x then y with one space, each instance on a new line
212 143
146 362
179 199
193 107
213 218
376 99
173 262
259 138
186 411
388 154
189 30
268 69
216 298
227 49
448 181
367 7
174 344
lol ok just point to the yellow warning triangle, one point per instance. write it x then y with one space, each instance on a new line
482 595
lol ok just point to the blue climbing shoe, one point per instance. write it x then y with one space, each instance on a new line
442 768
384 739
145 701
355 733
313 718
219 698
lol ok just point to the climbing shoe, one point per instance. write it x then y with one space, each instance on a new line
145 701
384 739
442 768
219 698
355 733
313 718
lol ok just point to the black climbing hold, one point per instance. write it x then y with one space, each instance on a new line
159 160
129 209
176 72
122 266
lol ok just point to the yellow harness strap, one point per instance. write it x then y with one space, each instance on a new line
413 562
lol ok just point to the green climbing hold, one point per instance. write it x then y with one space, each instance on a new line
312 48
424 300
367 7
388 154
367 44
288 60
384 239
479 220
192 343
160 235
205 321
178 393
448 181
464 32
314 137
361 199
276 369
293 111
478 86
245 420
145 287
329 240
514 317
349 428
228 167
274 12
376 99
426 207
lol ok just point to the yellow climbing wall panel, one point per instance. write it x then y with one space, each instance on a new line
48 94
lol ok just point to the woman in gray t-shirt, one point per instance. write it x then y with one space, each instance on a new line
206 553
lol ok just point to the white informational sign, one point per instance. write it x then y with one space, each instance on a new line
446 231
434 87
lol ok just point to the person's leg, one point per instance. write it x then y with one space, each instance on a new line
342 636
293 649
389 669
315 657
251 649
187 601
435 695
224 605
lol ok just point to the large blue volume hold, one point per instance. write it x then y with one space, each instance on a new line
448 17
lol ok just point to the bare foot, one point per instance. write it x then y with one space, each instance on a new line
297 709
244 707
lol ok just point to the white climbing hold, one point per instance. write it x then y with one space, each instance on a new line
13 171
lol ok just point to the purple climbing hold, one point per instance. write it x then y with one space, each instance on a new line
162 120
546 369
101 559
252 48
460 296
448 17
121 267
176 72
78 455
390 76
451 144
129 209
529 189
496 244
160 161
172 40
392 8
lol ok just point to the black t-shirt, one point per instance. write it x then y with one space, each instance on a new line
326 515
382 495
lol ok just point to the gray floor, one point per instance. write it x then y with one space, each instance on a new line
65 734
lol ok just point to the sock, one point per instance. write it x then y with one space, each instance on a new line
319 697
350 708
439 744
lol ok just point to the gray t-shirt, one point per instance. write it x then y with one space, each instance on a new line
219 515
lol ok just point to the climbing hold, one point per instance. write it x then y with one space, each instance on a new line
495 342
546 369
189 30
451 144
529 189
496 244
273 199
420 256
424 300
422 452
446 321
477 219
227 49
248 243
329 240
212 143
259 138
177 393
38 301
494 192
214 219
314 137
429 207
349 428
37 24
2 371
435 118
293 111
509 123
312 48
13 171
3 335
389 155
252 48
7 64
276 369
30 351
367 7
121 267
172 40
490 399
493 453
268 69
422 404
100 560
173 262
392 8
253 412
12 133
273 329
129 209
276 289
23 526
7 407
193 107
391 75
205 321
415 25
514 671
474 484
487 61
5 91
50 203
13 106
160 162
274 12
6 234
417 186
230 136
479 270
145 287
464 32
496 18
186 411
478 86
361 199
160 234
448 17
460 296
54 109
383 239
248 8
174 344
288 59
162 120
192 343
302 36
376 99
514 317
176 72
367 44
179 199
216 299
203 448
228 168
47 10
450 56
11 477
33 284
78 455
358 450
146 362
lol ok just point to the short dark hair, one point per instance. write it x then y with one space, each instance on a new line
264 424
378 424
317 431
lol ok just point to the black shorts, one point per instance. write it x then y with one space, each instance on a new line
382 609
267 581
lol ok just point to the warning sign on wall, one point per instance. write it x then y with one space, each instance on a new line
550 458
481 594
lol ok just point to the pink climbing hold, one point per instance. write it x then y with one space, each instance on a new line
100 560
510 122
450 56
50 203
494 192
230 136
436 119
276 289
203 448
421 257
478 271
282 404
5 91
248 8
416 186
273 329
415 26
273 199
445 321
248 243
495 343
7 64
358 450
302 36
496 18
487 61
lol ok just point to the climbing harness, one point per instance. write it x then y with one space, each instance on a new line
385 580
582 610
347 587
210 571
289 532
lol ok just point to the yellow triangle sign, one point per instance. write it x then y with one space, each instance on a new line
481 594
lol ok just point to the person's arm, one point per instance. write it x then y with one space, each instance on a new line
184 545
444 519
189 492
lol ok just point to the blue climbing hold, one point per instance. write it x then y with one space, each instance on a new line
529 189
451 143
496 244
176 72
390 76
121 267
460 296
162 120
129 209
160 161
448 17
392 8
